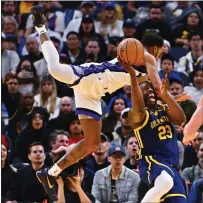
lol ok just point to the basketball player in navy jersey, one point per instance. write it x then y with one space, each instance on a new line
153 126
90 82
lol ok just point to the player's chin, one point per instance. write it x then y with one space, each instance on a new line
152 102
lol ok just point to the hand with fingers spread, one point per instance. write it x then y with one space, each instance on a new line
164 87
76 180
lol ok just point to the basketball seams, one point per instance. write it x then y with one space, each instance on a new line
126 53
136 50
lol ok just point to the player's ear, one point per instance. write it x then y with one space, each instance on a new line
155 49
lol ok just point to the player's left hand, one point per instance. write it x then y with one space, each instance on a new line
164 86
126 66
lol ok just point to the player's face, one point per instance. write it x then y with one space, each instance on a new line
132 146
149 94
155 51
37 154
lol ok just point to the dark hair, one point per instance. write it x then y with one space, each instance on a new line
10 76
193 73
72 33
127 139
93 39
152 39
156 7
34 144
168 57
194 33
55 133
175 80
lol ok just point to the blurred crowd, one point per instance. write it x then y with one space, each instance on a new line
38 112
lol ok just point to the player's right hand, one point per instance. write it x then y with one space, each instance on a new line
126 66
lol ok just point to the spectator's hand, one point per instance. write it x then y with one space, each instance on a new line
59 181
76 180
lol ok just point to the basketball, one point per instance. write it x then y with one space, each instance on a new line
131 50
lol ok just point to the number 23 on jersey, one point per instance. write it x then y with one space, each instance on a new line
165 132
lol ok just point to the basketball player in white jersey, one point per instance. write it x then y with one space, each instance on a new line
90 82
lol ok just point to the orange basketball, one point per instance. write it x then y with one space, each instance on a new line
131 50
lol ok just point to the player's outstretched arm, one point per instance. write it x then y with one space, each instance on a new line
137 113
174 111
194 124
152 71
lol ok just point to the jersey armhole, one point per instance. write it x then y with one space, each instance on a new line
144 123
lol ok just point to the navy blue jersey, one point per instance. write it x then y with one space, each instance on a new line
157 136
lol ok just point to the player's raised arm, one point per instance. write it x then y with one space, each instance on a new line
152 71
194 124
137 113
174 111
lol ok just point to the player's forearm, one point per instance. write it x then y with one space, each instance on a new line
175 112
83 197
194 124
138 104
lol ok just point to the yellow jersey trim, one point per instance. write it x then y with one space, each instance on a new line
149 168
139 150
172 195
158 163
144 123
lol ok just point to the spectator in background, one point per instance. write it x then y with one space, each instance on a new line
9 26
26 187
70 189
59 142
116 183
112 48
74 128
155 23
55 19
27 76
8 175
131 145
115 107
129 28
75 55
35 131
190 155
9 9
195 194
195 172
127 94
99 159
124 130
11 42
167 66
109 25
188 106
9 59
194 58
60 122
32 47
195 91
93 51
87 9
47 98
191 21
87 32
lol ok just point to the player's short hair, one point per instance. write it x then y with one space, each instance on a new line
35 144
167 57
55 133
194 33
175 80
152 39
